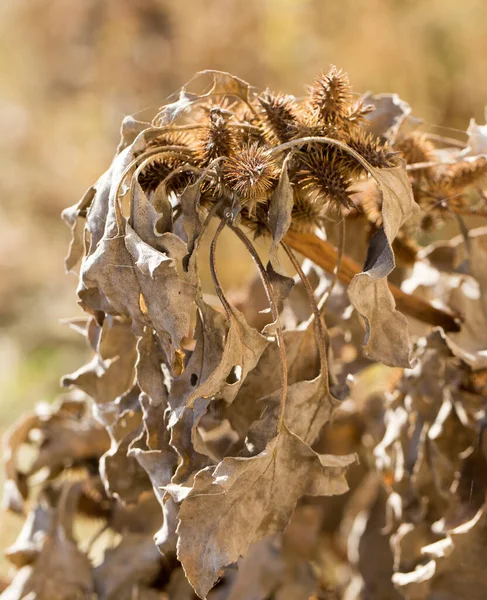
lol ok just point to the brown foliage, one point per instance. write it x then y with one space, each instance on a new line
199 432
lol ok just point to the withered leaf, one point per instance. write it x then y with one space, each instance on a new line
57 569
243 347
309 405
387 338
210 339
152 450
30 541
135 561
150 220
129 130
226 84
192 222
168 292
477 139
462 551
121 472
210 332
280 209
172 111
263 382
71 217
14 437
245 499
150 375
390 115
111 371
123 268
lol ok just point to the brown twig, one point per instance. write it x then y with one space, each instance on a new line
275 315
325 256
449 141
471 213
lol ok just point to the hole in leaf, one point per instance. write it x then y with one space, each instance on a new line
235 375
194 379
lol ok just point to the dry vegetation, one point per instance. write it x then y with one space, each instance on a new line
241 392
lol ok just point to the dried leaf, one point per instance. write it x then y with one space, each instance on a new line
111 371
13 494
263 383
477 140
192 221
245 499
135 561
171 112
242 350
387 338
122 268
461 552
150 375
391 114
225 84
59 569
71 217
308 407
280 209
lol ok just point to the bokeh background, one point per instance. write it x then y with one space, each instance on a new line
71 70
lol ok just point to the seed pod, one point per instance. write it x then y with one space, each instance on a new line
465 174
322 174
330 94
216 139
251 173
160 168
282 123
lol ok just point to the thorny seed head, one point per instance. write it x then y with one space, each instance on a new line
371 203
330 94
357 114
281 116
465 174
415 148
158 169
445 191
251 173
439 201
216 139
308 212
321 174
372 149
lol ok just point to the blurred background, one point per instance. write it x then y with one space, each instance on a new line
70 71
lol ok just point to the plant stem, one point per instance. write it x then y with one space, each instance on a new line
341 249
275 315
325 256
320 325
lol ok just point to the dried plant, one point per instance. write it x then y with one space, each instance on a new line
201 428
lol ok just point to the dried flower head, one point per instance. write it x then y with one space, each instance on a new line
281 112
372 149
357 113
217 138
330 94
445 191
439 201
371 203
160 168
309 211
415 148
251 173
464 174
322 173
